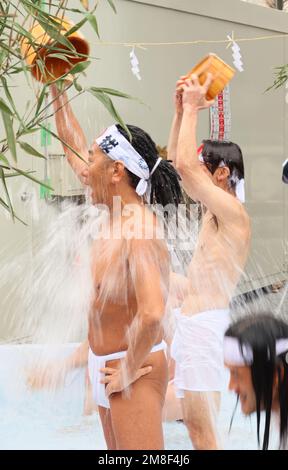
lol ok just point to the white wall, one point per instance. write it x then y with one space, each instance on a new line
258 119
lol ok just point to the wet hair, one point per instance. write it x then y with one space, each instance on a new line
165 185
285 172
215 151
260 332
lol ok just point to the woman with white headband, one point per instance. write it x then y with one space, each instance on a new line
256 354
212 175
130 268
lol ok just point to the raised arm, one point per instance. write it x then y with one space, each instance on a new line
176 123
69 131
196 182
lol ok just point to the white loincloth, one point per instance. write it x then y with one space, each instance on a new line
95 363
197 349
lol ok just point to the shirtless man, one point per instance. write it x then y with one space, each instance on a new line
131 278
213 178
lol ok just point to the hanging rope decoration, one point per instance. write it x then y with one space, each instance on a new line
135 64
220 116
143 45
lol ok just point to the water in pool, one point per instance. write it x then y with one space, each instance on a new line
45 420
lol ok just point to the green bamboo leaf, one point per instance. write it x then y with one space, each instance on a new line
4 159
76 27
23 32
9 50
40 99
62 141
75 10
93 22
3 203
53 48
3 56
19 69
112 5
38 13
31 150
54 33
5 108
62 57
29 131
111 91
41 67
4 13
77 86
8 124
108 103
27 174
12 175
49 23
80 67
7 193
280 77
9 97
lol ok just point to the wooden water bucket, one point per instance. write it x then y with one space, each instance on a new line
54 67
221 72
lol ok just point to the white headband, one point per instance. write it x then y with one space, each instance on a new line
239 187
114 144
234 356
239 183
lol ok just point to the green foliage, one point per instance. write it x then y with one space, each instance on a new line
16 17
281 77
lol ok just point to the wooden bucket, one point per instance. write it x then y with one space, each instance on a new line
54 67
221 72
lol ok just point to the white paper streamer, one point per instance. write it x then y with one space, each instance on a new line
236 53
135 64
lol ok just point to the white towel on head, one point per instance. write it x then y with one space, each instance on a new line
114 144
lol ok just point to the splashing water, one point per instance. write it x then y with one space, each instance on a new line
55 283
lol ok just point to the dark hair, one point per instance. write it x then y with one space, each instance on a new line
285 172
215 151
165 186
260 332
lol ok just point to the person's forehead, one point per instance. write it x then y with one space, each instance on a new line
95 146
95 149
243 371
